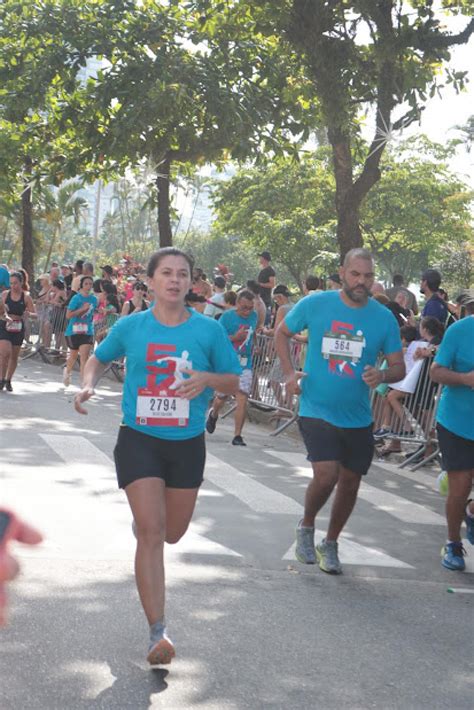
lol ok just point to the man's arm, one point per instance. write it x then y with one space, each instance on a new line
268 284
445 376
394 373
282 346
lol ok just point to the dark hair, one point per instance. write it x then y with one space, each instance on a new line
140 285
409 333
108 287
57 283
192 297
88 266
230 297
18 275
434 327
312 282
164 252
432 278
97 285
78 265
219 282
245 293
26 283
112 300
254 287
397 280
83 278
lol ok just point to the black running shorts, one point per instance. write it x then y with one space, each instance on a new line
75 341
179 463
457 453
351 447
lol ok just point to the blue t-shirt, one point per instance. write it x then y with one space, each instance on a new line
232 322
456 352
157 357
4 278
435 307
82 325
341 342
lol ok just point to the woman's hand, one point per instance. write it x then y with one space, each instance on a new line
194 385
81 397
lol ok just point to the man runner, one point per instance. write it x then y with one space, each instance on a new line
347 331
240 325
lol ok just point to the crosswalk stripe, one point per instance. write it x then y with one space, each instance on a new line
398 507
255 495
352 553
88 463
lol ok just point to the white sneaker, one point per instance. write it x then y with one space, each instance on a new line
66 377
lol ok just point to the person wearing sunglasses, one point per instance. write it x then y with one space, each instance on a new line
138 301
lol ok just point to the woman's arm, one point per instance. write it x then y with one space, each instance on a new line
93 371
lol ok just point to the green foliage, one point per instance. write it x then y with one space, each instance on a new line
416 210
285 207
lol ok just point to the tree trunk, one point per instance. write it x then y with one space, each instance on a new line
163 186
27 252
349 235
52 244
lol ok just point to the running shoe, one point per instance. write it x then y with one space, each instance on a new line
211 422
326 553
381 433
8 386
304 551
66 377
469 526
238 441
161 650
453 556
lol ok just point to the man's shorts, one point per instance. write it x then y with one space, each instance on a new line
245 383
75 341
179 463
457 453
351 447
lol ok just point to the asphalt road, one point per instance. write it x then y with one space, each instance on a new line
253 628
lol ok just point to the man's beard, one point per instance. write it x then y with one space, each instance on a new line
354 294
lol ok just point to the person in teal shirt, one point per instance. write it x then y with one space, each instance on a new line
347 333
240 325
453 367
80 330
175 358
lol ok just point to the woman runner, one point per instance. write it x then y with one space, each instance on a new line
80 329
12 329
175 358
138 302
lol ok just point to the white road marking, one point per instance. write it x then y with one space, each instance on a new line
460 590
352 553
390 503
255 495
93 472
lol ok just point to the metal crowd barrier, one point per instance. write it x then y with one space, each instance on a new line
416 425
268 391
44 334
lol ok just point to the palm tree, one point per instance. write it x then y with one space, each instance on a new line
58 206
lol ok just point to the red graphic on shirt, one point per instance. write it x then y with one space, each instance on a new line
161 360
340 366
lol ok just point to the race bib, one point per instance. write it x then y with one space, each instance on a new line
343 346
14 326
79 328
161 408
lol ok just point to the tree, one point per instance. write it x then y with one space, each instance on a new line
378 54
417 209
285 207
60 205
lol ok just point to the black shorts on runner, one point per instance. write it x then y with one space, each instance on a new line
16 339
179 463
75 341
457 453
351 447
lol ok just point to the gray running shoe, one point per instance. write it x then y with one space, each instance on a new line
328 559
304 552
